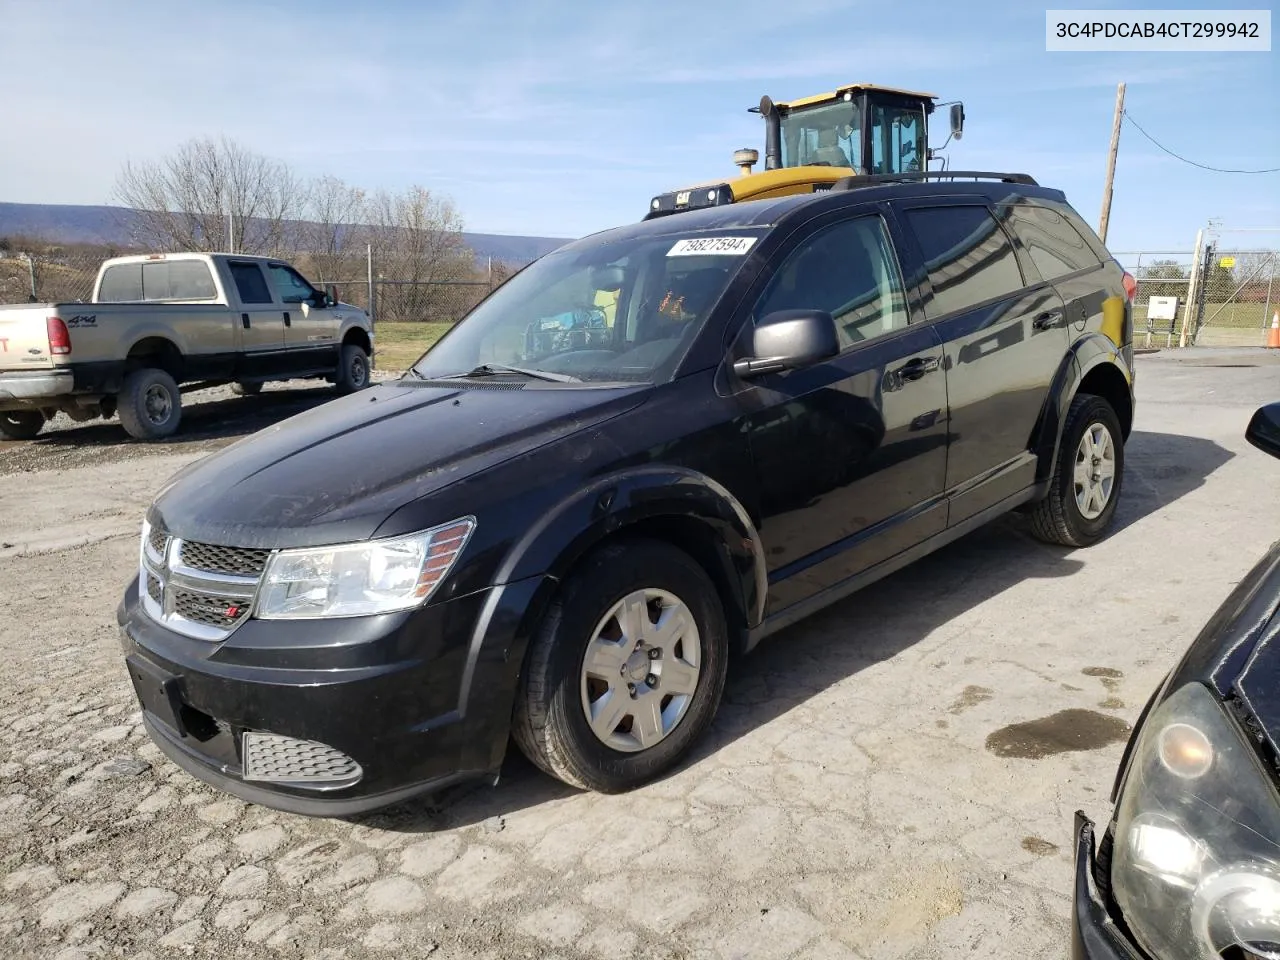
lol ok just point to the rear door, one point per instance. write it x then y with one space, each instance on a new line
1004 335
850 454
261 319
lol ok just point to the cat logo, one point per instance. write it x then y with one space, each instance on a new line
682 198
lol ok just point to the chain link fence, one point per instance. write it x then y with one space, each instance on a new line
398 292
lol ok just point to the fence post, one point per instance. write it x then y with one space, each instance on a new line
1271 275
491 274
1193 288
373 296
31 270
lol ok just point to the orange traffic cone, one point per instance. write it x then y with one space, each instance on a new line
1273 337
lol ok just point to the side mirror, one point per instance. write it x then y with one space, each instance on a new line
789 340
331 292
957 120
1264 429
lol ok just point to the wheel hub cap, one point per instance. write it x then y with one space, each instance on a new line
640 670
1095 471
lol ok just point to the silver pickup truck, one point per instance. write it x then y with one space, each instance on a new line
161 322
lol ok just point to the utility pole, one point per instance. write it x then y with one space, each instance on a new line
1111 165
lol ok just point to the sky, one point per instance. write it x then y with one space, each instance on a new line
559 119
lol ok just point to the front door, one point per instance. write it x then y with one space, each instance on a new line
311 332
260 320
850 454
1005 338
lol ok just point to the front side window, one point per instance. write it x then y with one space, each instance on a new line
897 140
969 258
291 286
607 311
830 134
849 271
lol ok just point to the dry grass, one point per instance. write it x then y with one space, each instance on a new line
399 345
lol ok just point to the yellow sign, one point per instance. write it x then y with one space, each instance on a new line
1227 263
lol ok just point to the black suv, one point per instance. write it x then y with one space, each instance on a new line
644 453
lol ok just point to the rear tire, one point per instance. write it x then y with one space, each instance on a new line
150 404
587 652
1087 476
246 389
353 369
21 424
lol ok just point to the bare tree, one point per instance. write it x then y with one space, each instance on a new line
188 200
334 233
417 239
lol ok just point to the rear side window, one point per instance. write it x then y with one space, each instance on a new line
1054 245
251 285
968 256
121 283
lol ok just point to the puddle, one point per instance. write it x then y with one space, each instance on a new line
1112 703
1110 678
1108 672
1041 848
970 697
1062 732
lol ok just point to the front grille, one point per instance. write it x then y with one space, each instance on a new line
210 610
233 561
209 589
269 756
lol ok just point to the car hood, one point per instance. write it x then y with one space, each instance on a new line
334 473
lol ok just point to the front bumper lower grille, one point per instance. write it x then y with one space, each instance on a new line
200 590
304 763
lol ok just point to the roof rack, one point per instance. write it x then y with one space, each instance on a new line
864 180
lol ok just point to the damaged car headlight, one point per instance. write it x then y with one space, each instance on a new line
359 579
1196 861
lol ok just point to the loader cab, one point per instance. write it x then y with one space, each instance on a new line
812 142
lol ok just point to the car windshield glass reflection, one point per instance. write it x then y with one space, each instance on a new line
604 312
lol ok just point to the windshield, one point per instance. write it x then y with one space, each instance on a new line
829 134
624 310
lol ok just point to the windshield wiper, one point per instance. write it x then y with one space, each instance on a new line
489 369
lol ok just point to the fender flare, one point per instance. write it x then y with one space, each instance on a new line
1084 356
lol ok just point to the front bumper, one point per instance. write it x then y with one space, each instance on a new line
24 389
415 701
1094 934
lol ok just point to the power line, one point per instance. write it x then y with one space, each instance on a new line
1202 166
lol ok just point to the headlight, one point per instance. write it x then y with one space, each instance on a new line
1196 863
358 579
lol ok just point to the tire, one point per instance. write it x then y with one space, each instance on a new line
246 389
353 369
1059 518
550 723
150 405
21 424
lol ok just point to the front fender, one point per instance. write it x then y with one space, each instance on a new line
616 501
1086 354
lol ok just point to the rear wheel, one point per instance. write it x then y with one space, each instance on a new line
353 369
627 670
150 404
1085 488
21 424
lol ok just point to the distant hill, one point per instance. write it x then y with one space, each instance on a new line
72 223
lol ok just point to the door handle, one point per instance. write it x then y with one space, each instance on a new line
286 319
1047 320
917 368
244 320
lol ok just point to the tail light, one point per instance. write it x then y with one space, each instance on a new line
59 336
1130 287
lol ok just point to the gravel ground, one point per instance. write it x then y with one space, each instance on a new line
895 777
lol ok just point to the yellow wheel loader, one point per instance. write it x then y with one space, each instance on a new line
810 143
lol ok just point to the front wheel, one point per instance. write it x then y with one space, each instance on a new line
626 671
1085 487
21 424
353 369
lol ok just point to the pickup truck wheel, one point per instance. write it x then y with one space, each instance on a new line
1085 488
353 369
150 404
626 671
21 424
246 389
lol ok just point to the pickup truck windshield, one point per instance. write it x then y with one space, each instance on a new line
613 311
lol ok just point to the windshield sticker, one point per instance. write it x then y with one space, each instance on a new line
711 246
